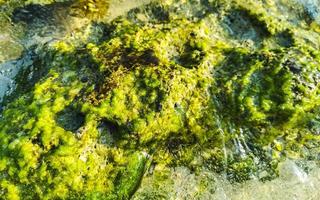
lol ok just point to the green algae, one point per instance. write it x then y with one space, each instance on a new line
177 90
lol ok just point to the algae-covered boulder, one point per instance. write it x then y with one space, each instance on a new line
229 86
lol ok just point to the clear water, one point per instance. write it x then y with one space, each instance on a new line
293 183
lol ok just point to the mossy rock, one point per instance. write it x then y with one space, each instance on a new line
170 91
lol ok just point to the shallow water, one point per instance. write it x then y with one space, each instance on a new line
293 183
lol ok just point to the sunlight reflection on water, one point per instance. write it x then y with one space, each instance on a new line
293 183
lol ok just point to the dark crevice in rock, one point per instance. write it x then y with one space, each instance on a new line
70 119
242 26
285 39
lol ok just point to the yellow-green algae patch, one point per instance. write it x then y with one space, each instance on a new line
186 87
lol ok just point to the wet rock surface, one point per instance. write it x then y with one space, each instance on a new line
161 100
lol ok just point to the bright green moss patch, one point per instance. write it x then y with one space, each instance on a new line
269 87
186 88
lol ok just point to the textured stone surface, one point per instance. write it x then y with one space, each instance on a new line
166 91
